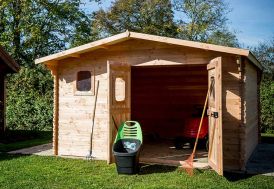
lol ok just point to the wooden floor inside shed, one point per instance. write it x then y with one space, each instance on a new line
163 152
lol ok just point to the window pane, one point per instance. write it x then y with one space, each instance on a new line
212 92
120 89
83 81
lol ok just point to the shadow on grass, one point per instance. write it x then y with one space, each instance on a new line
18 139
12 136
6 156
153 168
234 177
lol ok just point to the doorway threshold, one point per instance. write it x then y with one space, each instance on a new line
163 152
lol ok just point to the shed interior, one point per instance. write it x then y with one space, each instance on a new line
163 98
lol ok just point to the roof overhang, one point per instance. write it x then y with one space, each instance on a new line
8 60
76 51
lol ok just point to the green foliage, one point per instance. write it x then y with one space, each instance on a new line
265 54
225 38
205 21
29 99
198 20
35 28
267 105
152 17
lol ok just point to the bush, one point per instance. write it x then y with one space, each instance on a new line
267 105
30 99
265 54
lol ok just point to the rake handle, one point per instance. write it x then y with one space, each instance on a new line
200 125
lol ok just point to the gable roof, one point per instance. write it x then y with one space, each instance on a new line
8 60
76 51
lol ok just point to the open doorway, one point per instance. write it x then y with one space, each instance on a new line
167 101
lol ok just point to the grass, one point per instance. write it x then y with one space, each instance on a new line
14 140
267 134
18 171
51 172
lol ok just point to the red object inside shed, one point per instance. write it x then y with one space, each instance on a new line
191 127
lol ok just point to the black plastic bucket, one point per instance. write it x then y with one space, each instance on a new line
126 153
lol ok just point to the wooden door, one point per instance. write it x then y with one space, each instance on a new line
215 154
119 75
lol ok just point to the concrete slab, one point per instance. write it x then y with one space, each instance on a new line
262 160
41 150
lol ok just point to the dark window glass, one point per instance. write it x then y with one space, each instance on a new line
212 92
83 81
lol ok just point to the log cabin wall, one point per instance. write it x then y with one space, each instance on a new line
55 74
76 111
251 114
233 131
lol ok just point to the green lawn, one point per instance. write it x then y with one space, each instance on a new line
51 172
24 139
267 135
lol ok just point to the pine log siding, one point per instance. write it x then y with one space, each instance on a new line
251 112
76 111
232 127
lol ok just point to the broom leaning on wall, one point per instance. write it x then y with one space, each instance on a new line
89 156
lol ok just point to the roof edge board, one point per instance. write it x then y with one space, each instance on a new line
194 44
204 46
9 60
254 60
84 48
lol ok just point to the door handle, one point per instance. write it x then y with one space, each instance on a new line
214 114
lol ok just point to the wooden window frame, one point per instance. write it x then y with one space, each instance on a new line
92 83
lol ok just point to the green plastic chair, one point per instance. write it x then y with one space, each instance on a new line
129 130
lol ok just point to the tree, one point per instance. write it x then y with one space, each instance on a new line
30 29
152 17
202 20
29 100
34 28
205 21
224 38
265 54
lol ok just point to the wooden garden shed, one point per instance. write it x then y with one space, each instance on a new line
7 65
156 81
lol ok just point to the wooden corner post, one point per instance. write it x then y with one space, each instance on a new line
54 72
